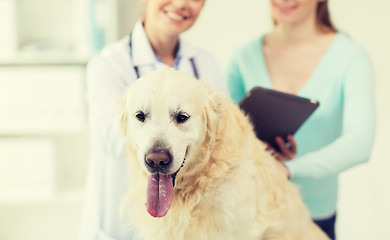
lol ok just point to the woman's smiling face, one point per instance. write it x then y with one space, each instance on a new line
172 16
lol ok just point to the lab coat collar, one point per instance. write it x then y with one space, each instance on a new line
142 52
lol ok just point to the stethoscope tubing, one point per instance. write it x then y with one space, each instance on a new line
136 69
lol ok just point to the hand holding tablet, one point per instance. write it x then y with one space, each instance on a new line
274 113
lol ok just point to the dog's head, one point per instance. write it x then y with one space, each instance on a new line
166 120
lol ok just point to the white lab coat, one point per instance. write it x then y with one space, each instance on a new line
108 74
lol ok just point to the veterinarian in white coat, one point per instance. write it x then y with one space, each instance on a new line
153 43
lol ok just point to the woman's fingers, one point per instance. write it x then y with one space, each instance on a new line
293 144
287 151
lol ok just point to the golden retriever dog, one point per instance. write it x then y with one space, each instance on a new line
197 170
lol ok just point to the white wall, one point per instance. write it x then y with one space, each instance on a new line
365 190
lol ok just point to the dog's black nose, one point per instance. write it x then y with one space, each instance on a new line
158 161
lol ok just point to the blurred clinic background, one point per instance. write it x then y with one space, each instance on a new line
44 48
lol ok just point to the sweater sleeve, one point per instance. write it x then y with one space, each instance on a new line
355 144
235 81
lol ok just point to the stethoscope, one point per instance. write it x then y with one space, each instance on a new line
136 70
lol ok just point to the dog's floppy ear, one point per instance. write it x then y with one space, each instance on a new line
121 103
225 123
212 111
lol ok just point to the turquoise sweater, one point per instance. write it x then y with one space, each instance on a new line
340 133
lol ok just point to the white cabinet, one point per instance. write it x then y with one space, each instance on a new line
43 148
41 106
42 100
27 169
44 145
44 27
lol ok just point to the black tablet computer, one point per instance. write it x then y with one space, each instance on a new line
274 113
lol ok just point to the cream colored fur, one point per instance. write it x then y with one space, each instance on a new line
229 187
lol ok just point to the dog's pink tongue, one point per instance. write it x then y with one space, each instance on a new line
159 194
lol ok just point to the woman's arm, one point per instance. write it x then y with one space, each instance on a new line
355 144
104 86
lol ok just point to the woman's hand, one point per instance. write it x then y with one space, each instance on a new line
288 150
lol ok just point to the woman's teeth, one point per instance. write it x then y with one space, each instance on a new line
286 7
175 16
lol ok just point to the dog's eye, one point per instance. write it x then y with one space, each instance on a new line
182 118
140 116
